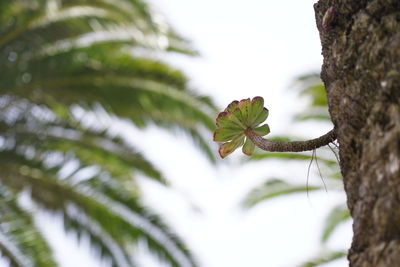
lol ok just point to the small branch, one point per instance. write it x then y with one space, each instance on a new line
296 146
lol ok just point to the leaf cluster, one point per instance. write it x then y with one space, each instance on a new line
232 123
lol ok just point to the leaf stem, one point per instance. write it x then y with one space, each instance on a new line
296 146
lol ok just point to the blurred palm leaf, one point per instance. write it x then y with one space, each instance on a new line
311 86
336 216
20 242
324 257
272 188
64 61
292 156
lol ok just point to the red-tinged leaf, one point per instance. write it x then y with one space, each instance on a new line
232 106
245 108
257 101
224 119
227 148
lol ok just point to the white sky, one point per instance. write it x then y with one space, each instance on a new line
249 48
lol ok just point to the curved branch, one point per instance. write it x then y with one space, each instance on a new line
297 146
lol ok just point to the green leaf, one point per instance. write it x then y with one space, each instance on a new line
257 106
237 113
225 120
227 148
226 134
248 147
262 116
245 108
262 130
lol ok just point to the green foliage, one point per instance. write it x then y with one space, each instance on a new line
272 188
310 86
20 242
324 257
235 120
98 58
292 156
337 215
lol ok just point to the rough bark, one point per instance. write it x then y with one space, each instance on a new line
361 72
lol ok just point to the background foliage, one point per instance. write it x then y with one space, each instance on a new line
71 70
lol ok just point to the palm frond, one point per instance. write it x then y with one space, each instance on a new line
66 19
315 114
77 222
12 253
101 58
274 188
121 218
337 215
124 96
292 156
20 242
317 94
324 257
139 89
311 86
91 148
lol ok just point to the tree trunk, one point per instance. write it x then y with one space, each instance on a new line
361 71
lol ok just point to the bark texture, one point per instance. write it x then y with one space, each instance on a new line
361 72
